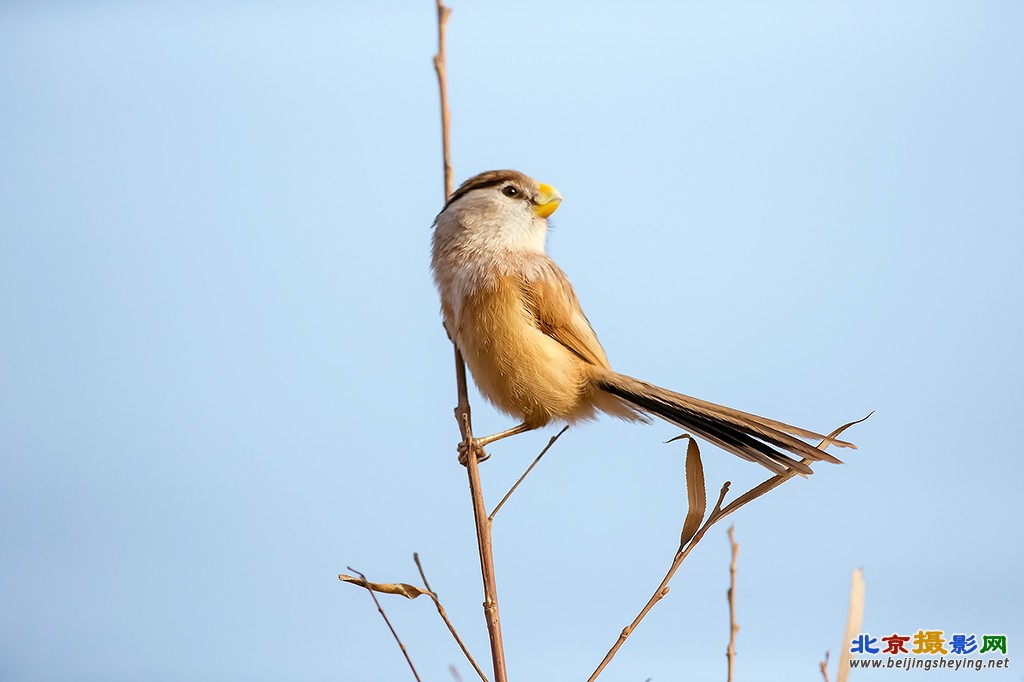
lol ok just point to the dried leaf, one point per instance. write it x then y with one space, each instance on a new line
696 496
830 438
406 590
757 491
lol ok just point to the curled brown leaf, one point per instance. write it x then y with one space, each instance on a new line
404 589
696 494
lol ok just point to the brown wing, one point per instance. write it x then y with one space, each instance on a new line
556 312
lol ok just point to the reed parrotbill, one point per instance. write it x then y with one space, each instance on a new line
515 317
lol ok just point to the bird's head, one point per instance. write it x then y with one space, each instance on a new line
501 209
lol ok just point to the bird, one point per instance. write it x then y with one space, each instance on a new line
515 318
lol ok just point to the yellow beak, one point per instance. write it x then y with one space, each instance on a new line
547 201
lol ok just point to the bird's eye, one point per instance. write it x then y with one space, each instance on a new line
510 191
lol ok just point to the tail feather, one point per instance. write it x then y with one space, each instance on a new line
746 435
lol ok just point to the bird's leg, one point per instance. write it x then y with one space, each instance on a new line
479 443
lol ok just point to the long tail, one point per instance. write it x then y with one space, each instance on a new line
746 435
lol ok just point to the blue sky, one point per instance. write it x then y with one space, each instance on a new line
223 376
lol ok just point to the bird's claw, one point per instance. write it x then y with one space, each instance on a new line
481 456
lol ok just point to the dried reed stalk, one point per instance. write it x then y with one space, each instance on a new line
730 652
854 619
462 411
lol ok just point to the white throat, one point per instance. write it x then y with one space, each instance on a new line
490 226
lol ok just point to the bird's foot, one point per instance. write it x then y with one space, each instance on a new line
464 448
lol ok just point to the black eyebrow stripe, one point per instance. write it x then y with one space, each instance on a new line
483 181
465 189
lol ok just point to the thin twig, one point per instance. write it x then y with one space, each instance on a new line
663 588
440 66
444 617
730 653
528 470
716 515
824 667
390 627
462 411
